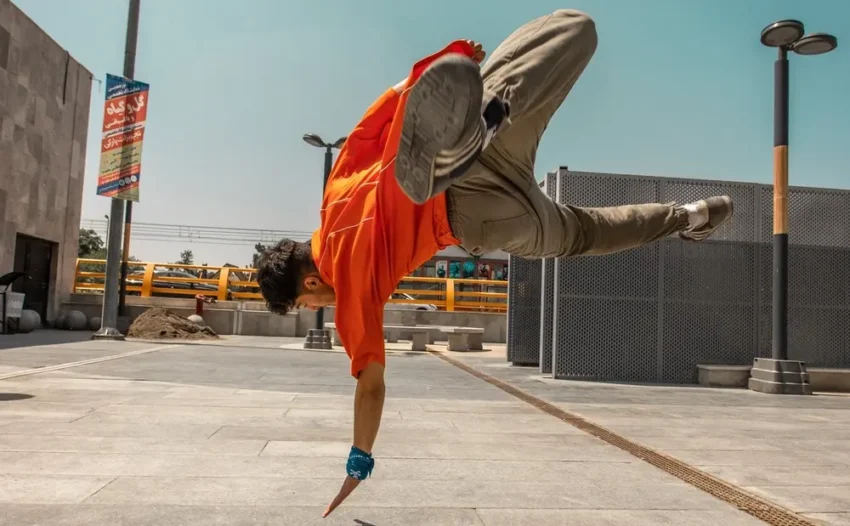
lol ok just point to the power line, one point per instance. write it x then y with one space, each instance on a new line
163 232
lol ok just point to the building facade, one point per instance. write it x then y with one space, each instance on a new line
44 114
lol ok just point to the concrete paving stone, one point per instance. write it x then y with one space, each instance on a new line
506 426
35 357
209 416
331 467
782 475
175 515
497 407
23 415
306 424
45 489
165 445
124 429
65 381
338 415
209 491
720 432
585 451
72 396
753 458
616 517
832 519
699 443
188 412
807 499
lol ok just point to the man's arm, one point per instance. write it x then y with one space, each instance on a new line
368 406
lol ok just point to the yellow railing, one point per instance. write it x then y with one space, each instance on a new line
232 283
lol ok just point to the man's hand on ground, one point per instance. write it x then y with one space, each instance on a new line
479 51
348 486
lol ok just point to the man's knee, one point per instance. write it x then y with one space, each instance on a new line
579 26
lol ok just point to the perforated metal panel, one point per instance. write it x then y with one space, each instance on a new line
652 314
524 309
818 279
547 295
606 307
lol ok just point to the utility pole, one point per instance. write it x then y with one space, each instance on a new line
113 282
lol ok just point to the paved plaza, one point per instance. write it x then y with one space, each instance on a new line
244 432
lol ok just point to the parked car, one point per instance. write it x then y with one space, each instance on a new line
135 278
408 306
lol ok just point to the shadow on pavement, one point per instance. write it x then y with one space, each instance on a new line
11 397
42 337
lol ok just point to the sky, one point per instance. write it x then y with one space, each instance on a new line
678 88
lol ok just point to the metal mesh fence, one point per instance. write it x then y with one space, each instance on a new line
652 314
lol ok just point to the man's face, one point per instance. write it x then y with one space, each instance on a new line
317 294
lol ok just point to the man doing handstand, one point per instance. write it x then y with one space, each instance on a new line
444 158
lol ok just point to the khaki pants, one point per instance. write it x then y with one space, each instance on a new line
498 204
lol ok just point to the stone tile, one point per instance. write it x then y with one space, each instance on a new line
131 515
782 475
124 429
808 499
752 458
401 493
833 519
36 489
615 517
384 447
165 445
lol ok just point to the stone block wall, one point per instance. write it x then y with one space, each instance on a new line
44 113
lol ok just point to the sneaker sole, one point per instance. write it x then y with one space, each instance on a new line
443 105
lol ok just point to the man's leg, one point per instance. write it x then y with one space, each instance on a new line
498 203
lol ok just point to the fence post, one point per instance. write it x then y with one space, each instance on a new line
450 295
76 278
223 282
147 281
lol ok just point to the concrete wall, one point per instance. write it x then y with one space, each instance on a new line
252 319
44 114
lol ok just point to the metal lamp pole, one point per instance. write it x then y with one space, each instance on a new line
319 339
786 35
113 281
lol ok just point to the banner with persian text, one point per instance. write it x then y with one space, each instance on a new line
124 114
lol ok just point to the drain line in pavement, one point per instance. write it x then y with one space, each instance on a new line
27 372
757 507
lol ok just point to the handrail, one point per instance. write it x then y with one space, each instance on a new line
233 283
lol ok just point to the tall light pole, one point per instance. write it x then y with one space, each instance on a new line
772 375
112 282
319 338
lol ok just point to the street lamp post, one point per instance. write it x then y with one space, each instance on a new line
319 338
779 375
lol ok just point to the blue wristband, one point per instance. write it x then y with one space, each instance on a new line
359 464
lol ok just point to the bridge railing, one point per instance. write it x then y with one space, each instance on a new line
147 279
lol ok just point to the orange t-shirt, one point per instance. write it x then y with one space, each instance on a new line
372 234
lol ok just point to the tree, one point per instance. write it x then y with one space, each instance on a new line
91 245
259 248
187 258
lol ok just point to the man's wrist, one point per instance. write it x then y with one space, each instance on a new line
360 463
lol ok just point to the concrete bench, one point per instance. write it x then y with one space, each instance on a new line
421 336
464 338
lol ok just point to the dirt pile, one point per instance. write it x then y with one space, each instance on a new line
159 323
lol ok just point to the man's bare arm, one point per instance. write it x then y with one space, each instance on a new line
368 408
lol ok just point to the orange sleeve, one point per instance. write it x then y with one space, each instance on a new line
360 323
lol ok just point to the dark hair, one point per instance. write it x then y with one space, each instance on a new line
280 270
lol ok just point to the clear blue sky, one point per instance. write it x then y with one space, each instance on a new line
676 88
